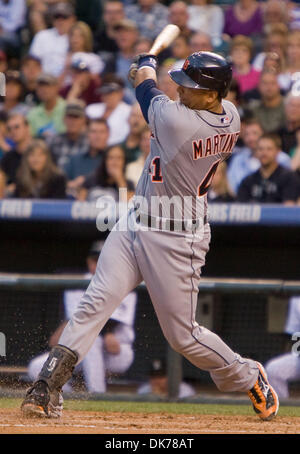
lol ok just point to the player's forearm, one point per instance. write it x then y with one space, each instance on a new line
144 92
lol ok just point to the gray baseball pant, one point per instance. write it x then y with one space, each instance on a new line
170 265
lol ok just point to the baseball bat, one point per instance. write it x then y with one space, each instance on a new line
164 39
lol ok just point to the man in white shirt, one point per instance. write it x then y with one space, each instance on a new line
12 18
51 45
113 109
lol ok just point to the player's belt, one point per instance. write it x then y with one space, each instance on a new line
173 225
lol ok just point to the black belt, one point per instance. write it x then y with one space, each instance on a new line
171 225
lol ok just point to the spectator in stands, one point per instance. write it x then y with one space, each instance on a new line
149 15
220 190
12 19
112 108
241 53
81 165
113 13
269 110
244 162
74 140
108 178
200 41
3 62
293 14
274 12
135 168
285 368
40 14
288 132
271 183
80 38
31 69
179 15
46 119
165 83
295 155
19 131
131 144
126 36
112 352
144 45
83 85
275 41
157 384
292 68
51 45
12 102
180 49
6 144
81 47
245 17
271 63
89 12
207 18
234 95
38 177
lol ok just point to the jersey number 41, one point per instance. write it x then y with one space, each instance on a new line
157 177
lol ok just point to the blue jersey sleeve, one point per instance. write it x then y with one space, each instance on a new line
144 93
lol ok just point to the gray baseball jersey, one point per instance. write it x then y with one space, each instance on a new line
186 147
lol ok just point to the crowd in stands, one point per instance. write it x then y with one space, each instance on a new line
70 126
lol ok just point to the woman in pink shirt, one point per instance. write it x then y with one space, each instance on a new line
241 54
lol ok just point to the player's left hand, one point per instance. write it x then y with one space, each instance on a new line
135 65
132 73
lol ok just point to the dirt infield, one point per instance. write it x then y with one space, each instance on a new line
87 422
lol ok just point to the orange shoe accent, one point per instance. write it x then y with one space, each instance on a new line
32 410
263 397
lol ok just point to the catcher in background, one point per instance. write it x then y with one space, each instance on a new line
158 382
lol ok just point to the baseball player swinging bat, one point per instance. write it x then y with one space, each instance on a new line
165 246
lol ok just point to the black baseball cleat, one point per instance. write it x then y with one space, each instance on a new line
36 401
264 399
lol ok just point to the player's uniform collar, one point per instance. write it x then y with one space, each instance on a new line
216 120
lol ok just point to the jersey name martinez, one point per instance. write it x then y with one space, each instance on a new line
212 145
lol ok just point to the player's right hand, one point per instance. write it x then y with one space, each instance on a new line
132 73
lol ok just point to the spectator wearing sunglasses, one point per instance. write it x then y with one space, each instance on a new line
51 45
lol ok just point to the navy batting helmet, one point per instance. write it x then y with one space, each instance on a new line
206 71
